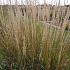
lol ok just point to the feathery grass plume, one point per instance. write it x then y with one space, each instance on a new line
27 43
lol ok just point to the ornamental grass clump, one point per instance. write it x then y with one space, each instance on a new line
26 43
